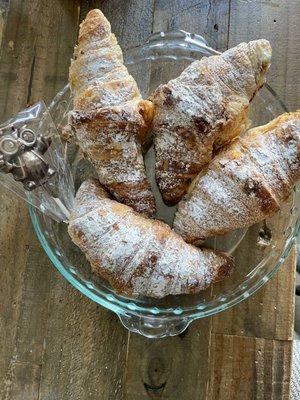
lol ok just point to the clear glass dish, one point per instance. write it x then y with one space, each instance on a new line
258 251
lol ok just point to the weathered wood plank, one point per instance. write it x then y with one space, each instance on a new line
76 361
36 315
267 314
14 244
54 49
34 61
249 368
26 381
202 18
85 350
169 368
17 55
72 348
208 18
21 344
131 20
175 367
24 283
277 21
32 318
3 11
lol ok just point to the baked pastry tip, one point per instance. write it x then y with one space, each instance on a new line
202 110
140 256
110 119
246 183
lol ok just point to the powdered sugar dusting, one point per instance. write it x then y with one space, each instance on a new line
139 256
108 120
205 107
244 184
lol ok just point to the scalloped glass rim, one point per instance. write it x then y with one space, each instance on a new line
133 309
158 46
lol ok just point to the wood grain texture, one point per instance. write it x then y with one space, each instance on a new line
267 314
41 315
22 320
26 358
175 367
53 337
57 344
131 20
249 368
170 368
13 265
192 16
3 11
263 315
85 350
208 18
26 381
278 21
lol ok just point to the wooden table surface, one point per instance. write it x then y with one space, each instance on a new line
58 345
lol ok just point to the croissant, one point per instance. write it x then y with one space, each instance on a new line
110 118
139 256
203 109
245 183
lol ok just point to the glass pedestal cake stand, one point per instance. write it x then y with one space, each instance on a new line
259 251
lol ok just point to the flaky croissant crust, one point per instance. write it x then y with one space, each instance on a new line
137 255
203 109
110 118
247 182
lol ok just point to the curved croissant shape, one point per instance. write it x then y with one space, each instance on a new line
110 118
137 255
203 109
245 183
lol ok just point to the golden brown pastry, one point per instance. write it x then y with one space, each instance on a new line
203 109
110 118
245 183
137 255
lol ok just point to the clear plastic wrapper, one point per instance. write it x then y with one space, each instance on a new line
33 162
